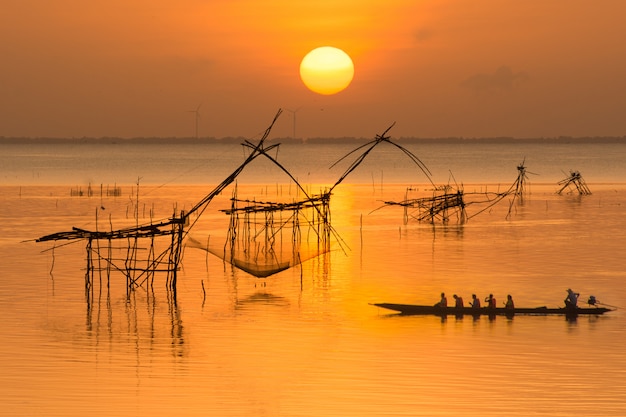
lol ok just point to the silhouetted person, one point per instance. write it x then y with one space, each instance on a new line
491 301
475 303
458 301
509 305
571 301
443 302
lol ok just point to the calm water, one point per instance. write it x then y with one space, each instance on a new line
306 341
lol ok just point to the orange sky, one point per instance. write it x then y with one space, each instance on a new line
472 68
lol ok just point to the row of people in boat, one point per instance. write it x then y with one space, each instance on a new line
490 301
571 301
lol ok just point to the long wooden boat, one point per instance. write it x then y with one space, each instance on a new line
412 309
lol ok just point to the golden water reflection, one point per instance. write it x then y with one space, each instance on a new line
307 342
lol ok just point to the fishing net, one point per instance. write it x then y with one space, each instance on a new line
265 238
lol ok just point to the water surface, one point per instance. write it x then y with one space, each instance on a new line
306 341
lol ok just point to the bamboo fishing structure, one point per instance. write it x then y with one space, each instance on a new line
369 147
263 237
444 202
575 182
160 242
258 230
448 201
157 247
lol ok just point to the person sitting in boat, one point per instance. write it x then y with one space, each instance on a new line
443 302
571 300
458 301
491 301
475 303
509 305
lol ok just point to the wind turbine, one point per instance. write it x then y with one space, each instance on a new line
197 112
293 112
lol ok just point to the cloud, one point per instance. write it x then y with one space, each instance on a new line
503 79
422 34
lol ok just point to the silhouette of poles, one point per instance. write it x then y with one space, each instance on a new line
576 181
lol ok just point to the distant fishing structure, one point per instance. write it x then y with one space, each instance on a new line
516 191
369 147
575 182
444 202
448 201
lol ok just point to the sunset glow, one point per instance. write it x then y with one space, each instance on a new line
439 69
350 208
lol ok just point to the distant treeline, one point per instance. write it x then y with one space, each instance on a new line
190 140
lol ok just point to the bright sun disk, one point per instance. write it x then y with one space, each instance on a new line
326 70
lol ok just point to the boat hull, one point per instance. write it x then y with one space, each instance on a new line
412 309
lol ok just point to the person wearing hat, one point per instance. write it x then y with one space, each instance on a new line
572 299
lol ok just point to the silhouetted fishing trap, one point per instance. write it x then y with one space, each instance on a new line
444 203
263 238
148 249
575 182
447 201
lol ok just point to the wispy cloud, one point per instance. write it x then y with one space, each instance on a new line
422 34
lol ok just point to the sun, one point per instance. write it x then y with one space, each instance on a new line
326 70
